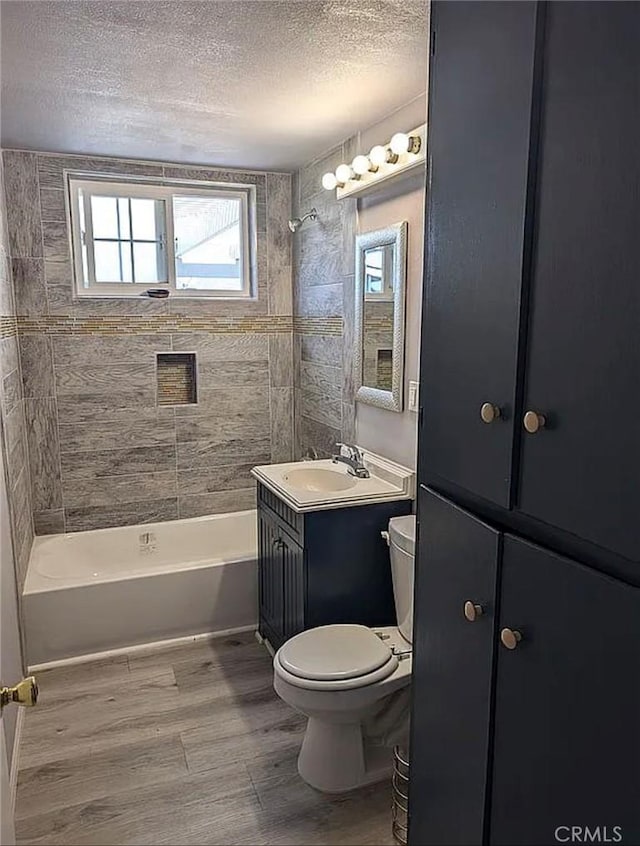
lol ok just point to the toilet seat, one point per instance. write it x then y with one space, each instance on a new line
338 657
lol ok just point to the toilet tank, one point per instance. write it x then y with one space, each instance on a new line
402 546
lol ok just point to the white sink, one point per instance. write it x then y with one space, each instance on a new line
319 480
316 485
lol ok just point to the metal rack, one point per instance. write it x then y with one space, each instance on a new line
399 794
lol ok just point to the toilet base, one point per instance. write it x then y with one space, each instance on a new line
335 758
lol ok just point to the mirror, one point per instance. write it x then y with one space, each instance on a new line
381 261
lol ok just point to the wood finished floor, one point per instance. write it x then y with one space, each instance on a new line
182 745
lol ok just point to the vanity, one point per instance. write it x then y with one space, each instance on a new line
321 556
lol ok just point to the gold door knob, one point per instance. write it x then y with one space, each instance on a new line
472 611
510 638
489 412
24 693
534 421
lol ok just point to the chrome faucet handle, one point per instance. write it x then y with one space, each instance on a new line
340 447
353 451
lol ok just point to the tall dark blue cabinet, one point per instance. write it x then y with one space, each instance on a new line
526 674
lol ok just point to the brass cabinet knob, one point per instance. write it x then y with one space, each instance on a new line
510 638
489 412
24 693
472 611
534 421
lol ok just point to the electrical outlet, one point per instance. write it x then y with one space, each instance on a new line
414 396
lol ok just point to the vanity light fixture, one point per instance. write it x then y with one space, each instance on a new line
329 181
343 174
404 151
403 143
380 155
361 165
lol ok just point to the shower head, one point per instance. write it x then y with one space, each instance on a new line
296 222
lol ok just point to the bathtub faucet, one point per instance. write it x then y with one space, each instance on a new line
353 460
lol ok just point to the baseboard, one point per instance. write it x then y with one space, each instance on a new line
264 641
15 758
139 647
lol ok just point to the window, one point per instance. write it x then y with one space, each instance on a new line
378 273
129 236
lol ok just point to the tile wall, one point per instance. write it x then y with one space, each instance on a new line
324 267
324 299
101 452
12 411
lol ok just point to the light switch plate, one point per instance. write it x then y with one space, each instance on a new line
414 396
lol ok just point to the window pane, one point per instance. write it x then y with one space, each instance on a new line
145 258
105 217
83 244
373 284
125 255
143 214
83 224
85 266
208 243
123 211
107 258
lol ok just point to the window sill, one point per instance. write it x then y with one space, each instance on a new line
81 298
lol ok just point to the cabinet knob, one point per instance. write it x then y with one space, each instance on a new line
510 638
278 543
534 421
490 412
472 611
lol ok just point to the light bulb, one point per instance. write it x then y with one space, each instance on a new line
329 181
400 143
378 155
343 174
361 165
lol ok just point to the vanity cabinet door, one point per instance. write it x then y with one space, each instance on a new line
567 725
580 471
293 570
270 581
481 82
281 583
453 649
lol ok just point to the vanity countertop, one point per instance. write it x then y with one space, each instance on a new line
324 484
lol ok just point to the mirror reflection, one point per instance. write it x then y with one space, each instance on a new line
380 291
377 365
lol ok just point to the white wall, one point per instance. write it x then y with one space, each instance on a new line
388 433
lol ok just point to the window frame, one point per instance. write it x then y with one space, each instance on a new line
164 191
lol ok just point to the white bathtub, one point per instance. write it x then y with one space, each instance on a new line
108 589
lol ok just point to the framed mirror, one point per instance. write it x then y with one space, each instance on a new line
381 277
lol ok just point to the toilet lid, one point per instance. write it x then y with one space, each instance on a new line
334 653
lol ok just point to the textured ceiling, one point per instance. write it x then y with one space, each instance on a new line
256 84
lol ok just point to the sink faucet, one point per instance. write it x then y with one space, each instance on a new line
353 460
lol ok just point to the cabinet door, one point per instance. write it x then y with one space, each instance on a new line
479 125
293 569
580 472
271 583
567 719
457 561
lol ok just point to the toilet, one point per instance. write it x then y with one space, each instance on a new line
352 683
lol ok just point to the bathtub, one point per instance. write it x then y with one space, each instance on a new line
103 590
